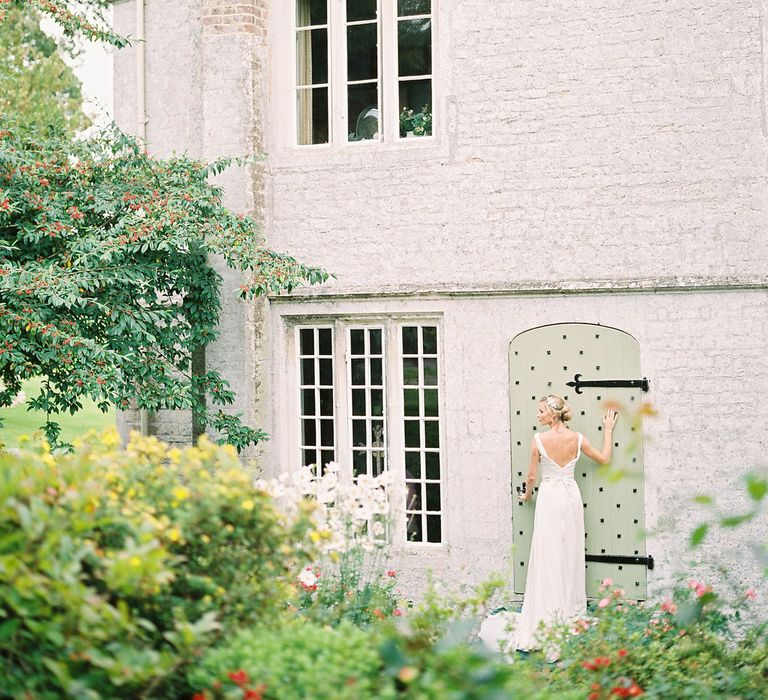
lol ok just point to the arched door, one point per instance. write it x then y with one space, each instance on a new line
545 360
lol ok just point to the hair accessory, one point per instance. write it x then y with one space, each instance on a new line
552 403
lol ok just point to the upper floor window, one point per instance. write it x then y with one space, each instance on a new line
363 70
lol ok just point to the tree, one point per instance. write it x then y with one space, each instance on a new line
105 286
36 84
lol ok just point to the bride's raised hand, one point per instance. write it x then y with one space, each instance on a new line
609 419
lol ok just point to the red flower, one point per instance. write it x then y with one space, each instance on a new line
239 677
634 690
392 573
593 696
621 653
199 696
254 693
377 613
620 691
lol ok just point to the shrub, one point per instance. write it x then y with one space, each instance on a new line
118 567
295 662
681 648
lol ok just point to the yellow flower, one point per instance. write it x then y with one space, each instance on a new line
205 539
110 438
134 561
314 536
229 528
174 455
174 535
180 493
248 505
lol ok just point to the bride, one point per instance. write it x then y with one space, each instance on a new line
555 590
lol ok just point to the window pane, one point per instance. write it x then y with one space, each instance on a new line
414 528
326 433
312 116
430 402
413 501
309 457
308 433
433 496
410 340
411 402
307 341
412 465
375 339
325 336
312 57
414 47
358 402
416 107
410 370
377 402
308 371
359 464
358 433
378 458
326 372
434 528
357 342
325 457
363 111
360 9
433 465
429 338
412 433
362 52
311 12
308 402
377 433
430 371
413 7
358 372
376 372
326 402
431 433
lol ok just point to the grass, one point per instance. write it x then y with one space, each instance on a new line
18 421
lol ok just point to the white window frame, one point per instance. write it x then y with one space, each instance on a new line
391 326
389 82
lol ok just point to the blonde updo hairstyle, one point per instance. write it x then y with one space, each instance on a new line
560 409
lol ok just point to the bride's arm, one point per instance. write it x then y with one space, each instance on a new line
604 455
533 469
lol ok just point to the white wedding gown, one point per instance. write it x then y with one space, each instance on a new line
555 590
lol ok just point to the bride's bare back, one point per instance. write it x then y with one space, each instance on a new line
561 445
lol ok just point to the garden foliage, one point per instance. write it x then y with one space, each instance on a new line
118 568
105 284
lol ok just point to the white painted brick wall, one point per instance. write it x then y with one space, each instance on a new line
580 141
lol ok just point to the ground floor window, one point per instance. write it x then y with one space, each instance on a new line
369 399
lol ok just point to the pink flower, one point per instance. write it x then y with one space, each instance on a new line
604 603
397 612
391 573
750 594
607 582
669 606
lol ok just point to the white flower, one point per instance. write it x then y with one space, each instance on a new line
307 578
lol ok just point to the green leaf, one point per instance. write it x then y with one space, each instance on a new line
704 500
734 520
698 535
756 487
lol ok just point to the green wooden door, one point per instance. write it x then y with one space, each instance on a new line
542 361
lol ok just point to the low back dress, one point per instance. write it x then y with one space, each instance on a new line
555 588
